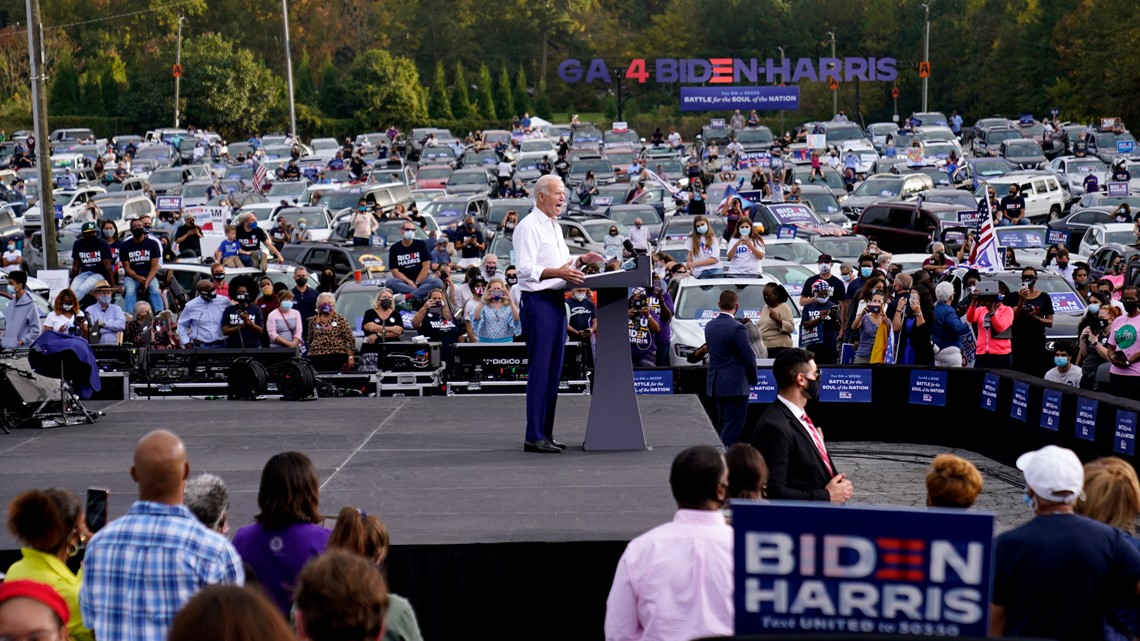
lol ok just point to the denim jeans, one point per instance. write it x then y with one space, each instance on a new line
131 292
84 283
400 287
1004 222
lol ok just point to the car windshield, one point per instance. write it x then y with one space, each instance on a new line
625 217
534 145
937 150
799 252
997 137
433 173
528 164
939 133
353 304
153 152
878 187
498 212
831 178
961 198
447 209
821 202
700 302
484 157
111 212
1028 149
468 178
883 128
1106 201
194 191
991 168
313 220
587 134
288 188
841 134
622 137
166 176
754 135
937 175
668 165
792 277
620 157
842 246
1125 237
599 167
1109 139
437 153
335 201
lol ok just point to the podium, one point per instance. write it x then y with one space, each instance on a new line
615 421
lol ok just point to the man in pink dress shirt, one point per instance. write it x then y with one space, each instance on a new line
675 581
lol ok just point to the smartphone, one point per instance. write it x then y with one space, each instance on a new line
96 511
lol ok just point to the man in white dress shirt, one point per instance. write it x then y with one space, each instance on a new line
545 271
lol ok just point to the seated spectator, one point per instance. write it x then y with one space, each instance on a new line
229 251
65 316
287 532
1064 372
362 533
332 345
302 234
434 320
381 323
340 596
495 318
230 613
675 581
284 324
145 330
952 482
1059 558
50 527
268 301
33 611
120 603
1112 496
440 255
747 472
242 322
478 287
105 320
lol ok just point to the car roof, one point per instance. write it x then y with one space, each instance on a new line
762 279
1114 226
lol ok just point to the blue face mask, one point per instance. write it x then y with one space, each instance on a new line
702 229
11 289
1061 361
286 305
1094 308
253 225
865 272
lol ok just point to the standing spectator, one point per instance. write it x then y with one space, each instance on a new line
287 532
304 297
281 233
188 237
703 260
364 534
1032 314
285 325
200 323
1063 267
470 242
363 225
32 610
381 322
50 527
1059 557
141 256
12 259
119 601
993 321
747 472
302 234
731 369
409 265
495 319
207 497
947 330
776 323
661 308
838 287
866 328
1097 331
435 320
643 328
242 322
639 236
332 346
268 301
1112 497
490 267
583 315
105 320
675 581
230 613
819 327
340 596
952 482
1064 372
909 312
1123 349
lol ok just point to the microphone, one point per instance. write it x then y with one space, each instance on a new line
630 264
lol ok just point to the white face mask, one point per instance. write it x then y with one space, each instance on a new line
579 296
744 231
825 268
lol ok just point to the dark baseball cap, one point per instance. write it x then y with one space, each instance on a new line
824 258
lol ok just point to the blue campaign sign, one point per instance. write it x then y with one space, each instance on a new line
168 203
928 388
1125 146
1117 189
990 392
971 219
1125 441
738 97
1085 426
787 232
802 568
847 354
764 391
1066 302
57 210
845 386
1019 409
1058 236
654 381
1051 409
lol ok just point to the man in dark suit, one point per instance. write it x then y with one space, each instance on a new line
732 368
799 467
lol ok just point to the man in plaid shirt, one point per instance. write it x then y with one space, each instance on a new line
142 568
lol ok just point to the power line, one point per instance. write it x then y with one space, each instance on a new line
123 15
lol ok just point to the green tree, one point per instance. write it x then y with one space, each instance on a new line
521 95
542 101
64 93
461 106
609 109
226 88
485 97
383 88
305 89
330 96
504 102
438 104
91 95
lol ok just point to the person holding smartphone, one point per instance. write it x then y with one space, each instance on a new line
435 320
495 318
1123 348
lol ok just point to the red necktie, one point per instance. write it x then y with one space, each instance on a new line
818 443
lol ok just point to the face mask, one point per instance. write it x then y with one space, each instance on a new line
825 268
300 280
846 277
702 229
613 232
1063 265
1061 361
1094 308
385 303
638 225
242 298
491 269
11 289
137 233
326 308
267 290
874 309
579 296
478 291
11 246
512 280
302 226
1130 306
409 235
253 225
286 305
208 295
104 299
363 208
67 307
865 272
744 231
219 277
109 233
972 289
821 298
813 389
147 228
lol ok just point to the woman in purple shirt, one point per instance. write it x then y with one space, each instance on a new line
287 532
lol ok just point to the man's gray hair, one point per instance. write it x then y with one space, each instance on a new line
546 184
937 247
207 497
944 292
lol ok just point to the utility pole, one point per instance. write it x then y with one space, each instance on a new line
926 51
289 70
783 80
43 148
835 93
178 75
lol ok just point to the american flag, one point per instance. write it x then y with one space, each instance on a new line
889 354
259 175
985 256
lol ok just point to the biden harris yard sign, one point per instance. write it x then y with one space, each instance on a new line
808 568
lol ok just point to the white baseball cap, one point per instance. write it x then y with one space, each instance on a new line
1053 473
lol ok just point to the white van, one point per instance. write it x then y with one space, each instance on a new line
1044 197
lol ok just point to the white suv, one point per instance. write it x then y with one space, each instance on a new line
1044 197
